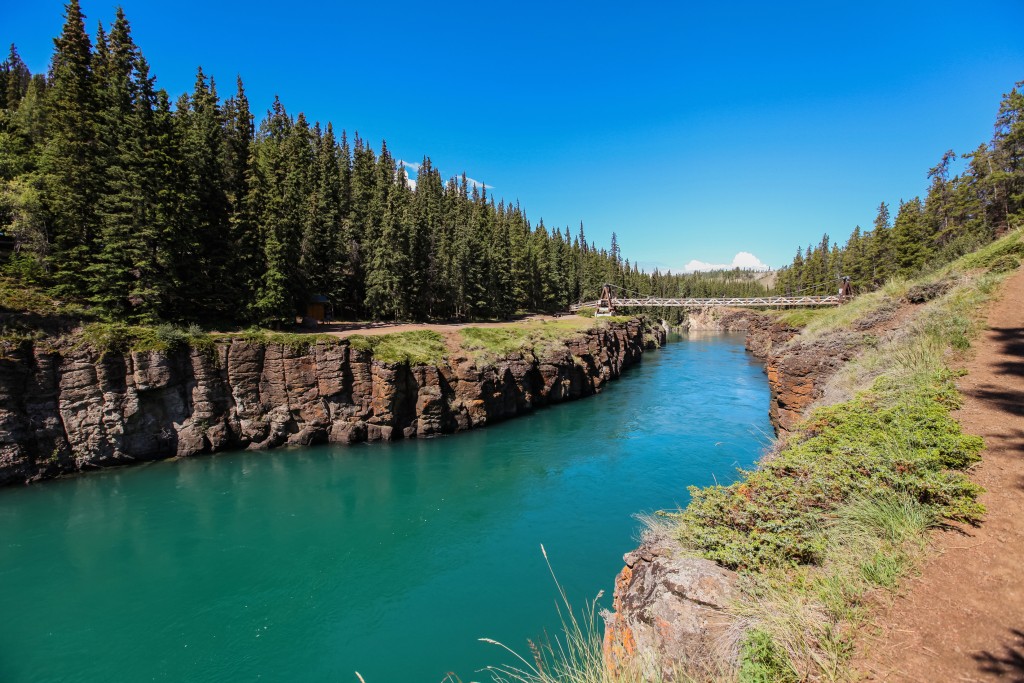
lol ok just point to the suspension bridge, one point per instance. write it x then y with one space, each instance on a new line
612 299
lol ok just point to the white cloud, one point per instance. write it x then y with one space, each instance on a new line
743 259
409 164
476 183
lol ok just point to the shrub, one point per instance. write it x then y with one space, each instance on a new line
416 347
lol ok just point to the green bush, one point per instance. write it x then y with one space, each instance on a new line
1009 246
1005 263
122 338
773 517
416 347
763 661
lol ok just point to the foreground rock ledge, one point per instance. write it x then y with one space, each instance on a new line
62 411
670 616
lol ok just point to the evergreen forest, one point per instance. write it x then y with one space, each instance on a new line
958 214
150 210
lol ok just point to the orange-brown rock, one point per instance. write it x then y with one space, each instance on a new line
669 617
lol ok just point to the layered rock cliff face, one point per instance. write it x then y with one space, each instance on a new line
670 619
70 409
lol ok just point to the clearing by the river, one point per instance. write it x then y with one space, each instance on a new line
450 331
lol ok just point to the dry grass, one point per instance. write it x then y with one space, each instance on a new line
577 656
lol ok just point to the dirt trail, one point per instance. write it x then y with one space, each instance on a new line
963 618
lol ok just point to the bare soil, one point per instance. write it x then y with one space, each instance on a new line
962 619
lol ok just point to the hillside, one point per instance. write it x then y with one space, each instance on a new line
841 512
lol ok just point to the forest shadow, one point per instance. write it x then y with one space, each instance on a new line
14 321
1008 400
1008 664
1012 341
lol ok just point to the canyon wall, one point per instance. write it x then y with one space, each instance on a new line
670 616
68 409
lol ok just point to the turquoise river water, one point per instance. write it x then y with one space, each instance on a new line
392 560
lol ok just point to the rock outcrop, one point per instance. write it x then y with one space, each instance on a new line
715 318
70 409
798 369
670 620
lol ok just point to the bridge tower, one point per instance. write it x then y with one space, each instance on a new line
604 305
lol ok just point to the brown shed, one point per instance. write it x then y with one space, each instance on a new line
319 308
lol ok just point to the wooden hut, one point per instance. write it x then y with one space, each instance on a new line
319 309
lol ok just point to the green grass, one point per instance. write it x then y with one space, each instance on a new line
817 321
416 347
122 338
535 338
28 313
297 341
539 339
1009 246
800 621
21 297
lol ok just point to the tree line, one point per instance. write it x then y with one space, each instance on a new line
186 211
957 215
151 209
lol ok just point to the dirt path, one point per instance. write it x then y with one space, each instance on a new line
963 618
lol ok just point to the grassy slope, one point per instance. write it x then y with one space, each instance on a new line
843 507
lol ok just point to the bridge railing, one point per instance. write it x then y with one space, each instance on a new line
739 302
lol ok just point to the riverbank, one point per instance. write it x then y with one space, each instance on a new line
113 395
771 578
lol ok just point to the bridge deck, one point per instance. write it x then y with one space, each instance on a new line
740 302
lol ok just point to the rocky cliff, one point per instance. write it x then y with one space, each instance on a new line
68 409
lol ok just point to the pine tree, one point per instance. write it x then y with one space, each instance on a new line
1008 158
322 259
911 243
386 297
280 233
71 183
881 249
205 289
244 235
15 78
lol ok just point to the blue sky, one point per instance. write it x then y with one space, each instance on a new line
693 131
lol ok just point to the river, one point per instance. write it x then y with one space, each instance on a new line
392 560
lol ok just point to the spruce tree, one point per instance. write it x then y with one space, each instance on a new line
911 244
15 78
69 165
1008 156
205 289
